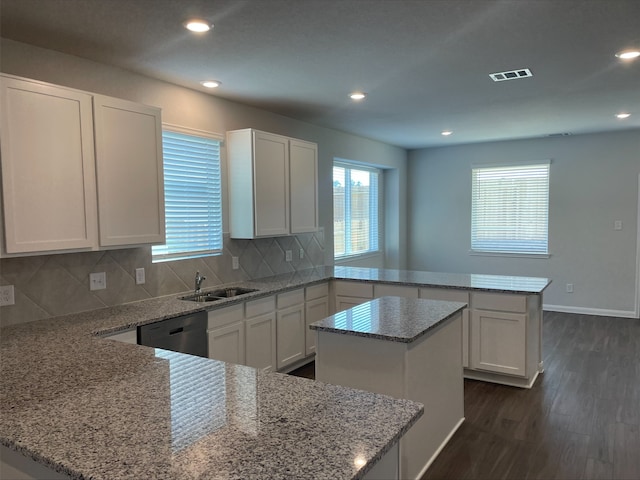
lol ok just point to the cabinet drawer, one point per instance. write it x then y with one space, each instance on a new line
317 291
446 294
288 299
224 316
354 289
260 306
499 302
382 290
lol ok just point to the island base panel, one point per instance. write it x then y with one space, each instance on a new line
428 371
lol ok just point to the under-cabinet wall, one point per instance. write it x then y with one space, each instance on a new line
50 285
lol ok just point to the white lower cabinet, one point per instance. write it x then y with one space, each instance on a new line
290 328
316 308
227 343
499 342
260 339
225 332
350 294
260 333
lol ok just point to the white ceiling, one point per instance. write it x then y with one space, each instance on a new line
425 64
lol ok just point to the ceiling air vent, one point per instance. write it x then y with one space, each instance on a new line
511 75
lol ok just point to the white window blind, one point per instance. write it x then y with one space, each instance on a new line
356 219
510 209
193 196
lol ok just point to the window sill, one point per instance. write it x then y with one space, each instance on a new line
506 254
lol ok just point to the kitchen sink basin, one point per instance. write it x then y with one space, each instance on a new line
218 294
231 292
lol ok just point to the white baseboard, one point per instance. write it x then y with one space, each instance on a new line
440 448
591 311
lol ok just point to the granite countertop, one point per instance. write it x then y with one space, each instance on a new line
393 319
96 408
465 281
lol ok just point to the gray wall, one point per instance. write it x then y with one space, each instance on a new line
58 284
594 181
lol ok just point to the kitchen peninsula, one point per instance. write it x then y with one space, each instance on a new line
73 405
407 348
86 406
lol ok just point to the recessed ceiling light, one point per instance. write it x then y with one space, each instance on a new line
198 26
211 83
628 54
623 115
357 95
446 133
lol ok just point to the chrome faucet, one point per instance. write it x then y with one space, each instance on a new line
199 279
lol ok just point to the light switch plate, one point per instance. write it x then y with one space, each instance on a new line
7 296
97 281
235 263
140 276
288 255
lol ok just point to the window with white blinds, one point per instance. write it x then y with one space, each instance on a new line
356 210
510 209
193 195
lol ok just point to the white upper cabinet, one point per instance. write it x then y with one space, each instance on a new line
48 172
129 172
303 168
272 184
79 171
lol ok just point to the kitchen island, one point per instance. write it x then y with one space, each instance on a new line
406 348
73 405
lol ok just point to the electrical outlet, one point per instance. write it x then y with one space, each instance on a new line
288 256
569 287
617 225
235 263
7 296
97 281
301 253
140 276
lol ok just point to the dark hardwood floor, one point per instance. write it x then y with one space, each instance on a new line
581 420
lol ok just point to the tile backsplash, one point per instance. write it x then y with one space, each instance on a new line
51 285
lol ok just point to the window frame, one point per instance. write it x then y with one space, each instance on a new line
379 237
513 252
188 254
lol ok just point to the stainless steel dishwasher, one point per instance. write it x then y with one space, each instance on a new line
185 334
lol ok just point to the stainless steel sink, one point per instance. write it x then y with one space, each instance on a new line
218 294
232 292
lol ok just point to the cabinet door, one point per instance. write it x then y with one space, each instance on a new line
48 168
303 168
129 172
261 342
271 177
498 342
290 331
227 343
314 310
